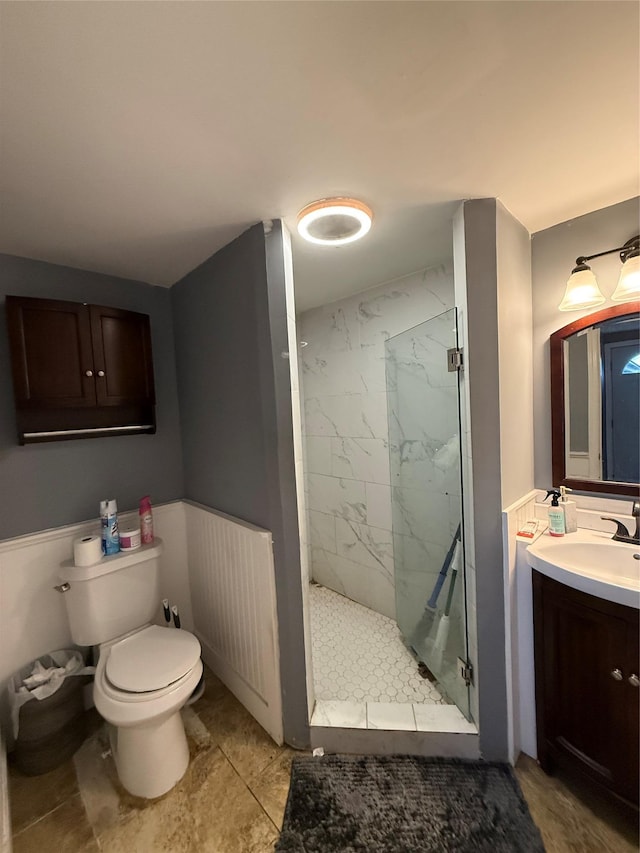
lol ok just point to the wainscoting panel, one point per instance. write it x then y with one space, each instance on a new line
232 581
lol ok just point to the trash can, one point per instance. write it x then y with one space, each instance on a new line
49 720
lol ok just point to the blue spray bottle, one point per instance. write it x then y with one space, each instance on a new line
109 521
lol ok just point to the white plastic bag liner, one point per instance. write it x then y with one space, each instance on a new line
42 678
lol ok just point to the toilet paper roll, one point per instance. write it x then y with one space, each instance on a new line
87 550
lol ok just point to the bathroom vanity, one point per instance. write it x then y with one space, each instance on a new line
587 689
586 586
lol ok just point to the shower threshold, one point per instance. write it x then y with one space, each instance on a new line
393 729
390 716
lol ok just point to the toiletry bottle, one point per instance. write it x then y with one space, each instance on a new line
556 514
146 521
109 522
570 511
103 522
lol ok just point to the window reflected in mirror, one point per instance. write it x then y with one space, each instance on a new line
595 369
602 370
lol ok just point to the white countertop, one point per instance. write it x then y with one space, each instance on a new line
590 561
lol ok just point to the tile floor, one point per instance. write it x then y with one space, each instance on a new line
570 817
358 655
365 677
232 798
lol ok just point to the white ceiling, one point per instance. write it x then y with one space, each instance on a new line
138 138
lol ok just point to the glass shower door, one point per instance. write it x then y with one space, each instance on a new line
426 500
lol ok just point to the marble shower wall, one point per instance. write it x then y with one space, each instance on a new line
346 430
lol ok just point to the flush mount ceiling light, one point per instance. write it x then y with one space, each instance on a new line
582 289
334 221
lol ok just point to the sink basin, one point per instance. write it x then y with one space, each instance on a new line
591 562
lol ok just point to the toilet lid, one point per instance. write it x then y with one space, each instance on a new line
151 659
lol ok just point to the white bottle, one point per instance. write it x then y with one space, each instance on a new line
556 514
570 511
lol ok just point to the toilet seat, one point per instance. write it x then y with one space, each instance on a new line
128 697
128 708
151 659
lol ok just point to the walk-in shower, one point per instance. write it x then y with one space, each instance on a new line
382 464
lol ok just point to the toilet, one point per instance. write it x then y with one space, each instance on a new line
145 673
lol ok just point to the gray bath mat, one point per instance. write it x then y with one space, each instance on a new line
405 804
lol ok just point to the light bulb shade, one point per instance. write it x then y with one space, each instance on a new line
628 287
334 221
582 290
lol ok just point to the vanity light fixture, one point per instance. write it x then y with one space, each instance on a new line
629 282
334 221
582 289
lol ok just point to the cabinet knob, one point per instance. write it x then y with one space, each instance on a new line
617 674
101 373
634 681
88 373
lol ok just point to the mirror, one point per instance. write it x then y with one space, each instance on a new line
595 401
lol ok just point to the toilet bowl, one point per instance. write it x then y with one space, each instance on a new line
142 681
145 673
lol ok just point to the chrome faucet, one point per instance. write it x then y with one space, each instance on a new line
622 534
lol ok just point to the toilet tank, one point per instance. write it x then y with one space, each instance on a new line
114 596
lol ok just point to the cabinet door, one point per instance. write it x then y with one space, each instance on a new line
632 751
122 354
51 353
582 702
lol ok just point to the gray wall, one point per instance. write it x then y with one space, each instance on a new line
493 286
218 352
514 346
482 488
46 485
235 402
553 255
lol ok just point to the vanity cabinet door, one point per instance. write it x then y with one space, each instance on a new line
632 688
584 701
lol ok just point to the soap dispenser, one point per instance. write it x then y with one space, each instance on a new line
556 514
570 511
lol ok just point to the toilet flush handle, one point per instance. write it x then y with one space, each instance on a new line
63 587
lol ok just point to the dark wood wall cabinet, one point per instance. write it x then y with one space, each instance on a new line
587 686
79 371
